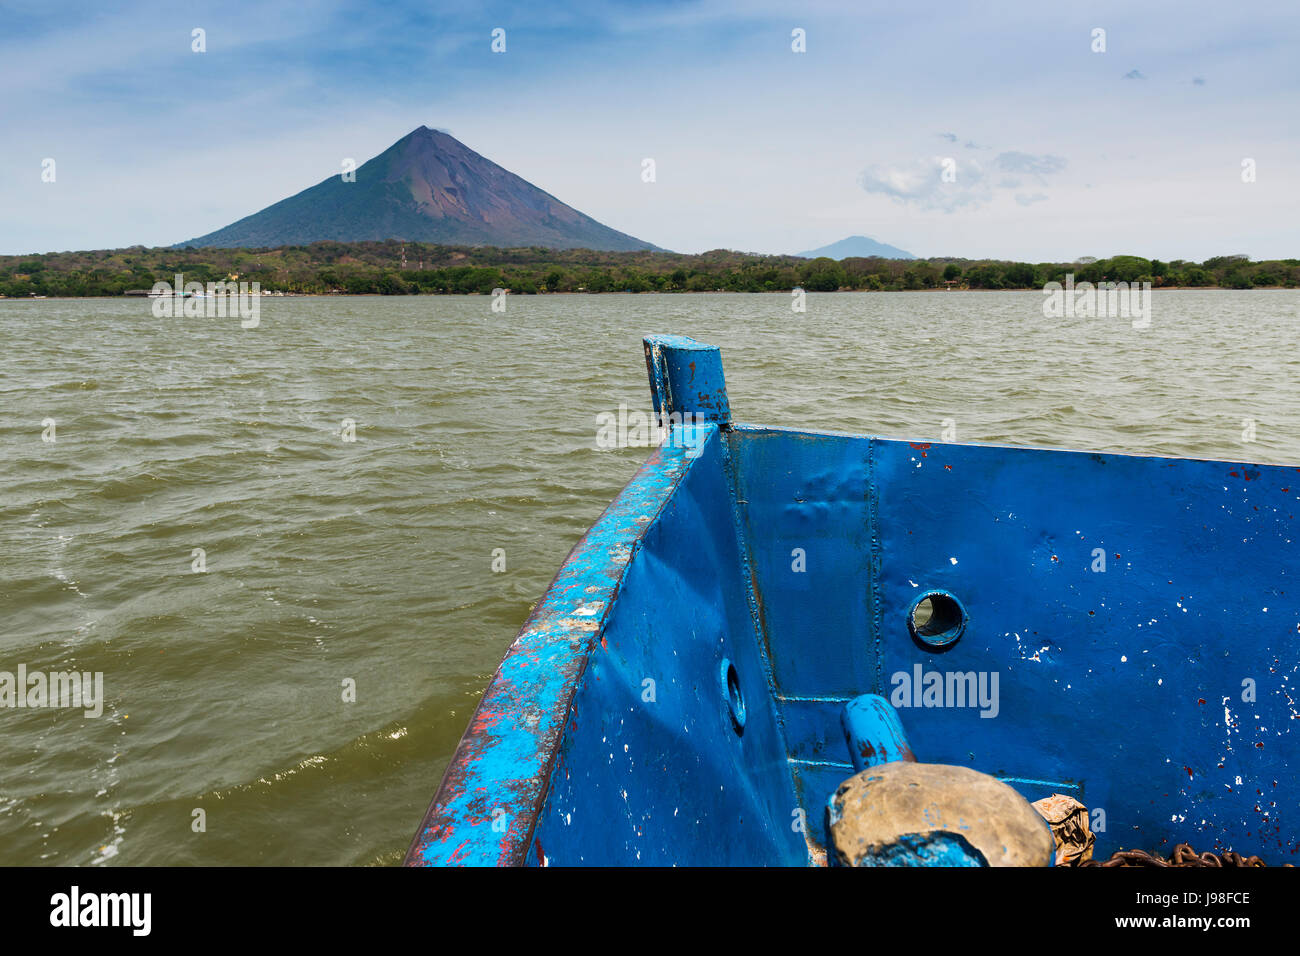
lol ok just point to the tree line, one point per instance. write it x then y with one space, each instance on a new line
394 267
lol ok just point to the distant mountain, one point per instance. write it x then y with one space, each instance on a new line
426 187
857 246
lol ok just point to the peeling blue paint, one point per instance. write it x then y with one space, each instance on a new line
1126 603
874 733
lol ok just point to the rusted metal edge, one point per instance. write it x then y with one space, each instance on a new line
494 788
686 378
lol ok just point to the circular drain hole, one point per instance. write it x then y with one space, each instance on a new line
731 690
936 620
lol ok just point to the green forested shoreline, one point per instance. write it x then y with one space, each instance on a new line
406 268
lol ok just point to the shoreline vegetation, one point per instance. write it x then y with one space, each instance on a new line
394 267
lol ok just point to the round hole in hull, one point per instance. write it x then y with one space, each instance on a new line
731 691
936 620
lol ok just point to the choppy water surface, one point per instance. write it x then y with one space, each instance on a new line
330 560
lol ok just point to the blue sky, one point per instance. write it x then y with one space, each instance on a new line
1054 150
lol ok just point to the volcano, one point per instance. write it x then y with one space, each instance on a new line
426 187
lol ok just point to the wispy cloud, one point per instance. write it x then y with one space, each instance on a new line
1026 164
943 183
934 183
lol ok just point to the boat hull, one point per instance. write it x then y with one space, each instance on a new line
1125 633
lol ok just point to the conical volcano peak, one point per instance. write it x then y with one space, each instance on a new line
427 187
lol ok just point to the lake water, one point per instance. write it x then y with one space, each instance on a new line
327 561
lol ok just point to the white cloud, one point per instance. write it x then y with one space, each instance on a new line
922 183
1040 166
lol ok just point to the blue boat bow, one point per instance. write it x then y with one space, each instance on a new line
1119 629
